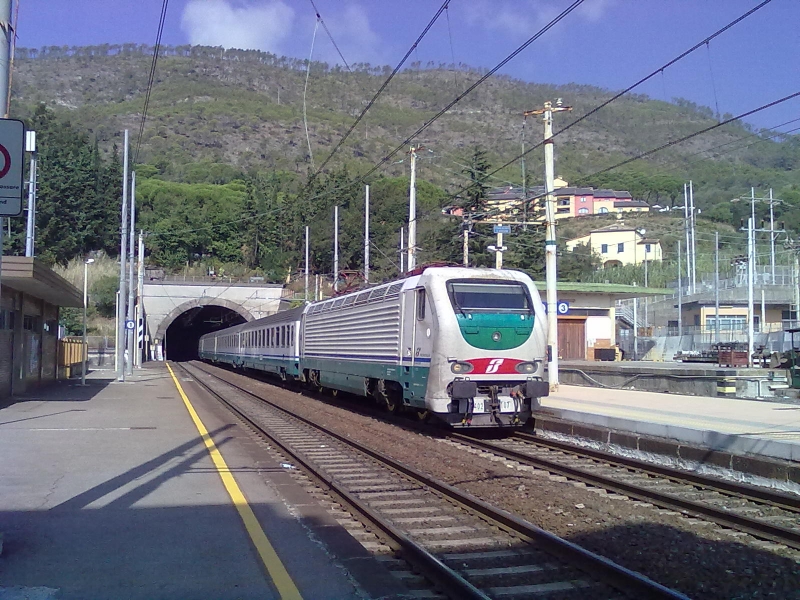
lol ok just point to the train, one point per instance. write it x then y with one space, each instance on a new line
462 346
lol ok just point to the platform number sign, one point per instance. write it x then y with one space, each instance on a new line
12 147
562 308
130 325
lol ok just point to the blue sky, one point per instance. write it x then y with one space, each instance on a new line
609 43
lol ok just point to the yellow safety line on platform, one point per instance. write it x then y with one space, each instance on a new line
280 576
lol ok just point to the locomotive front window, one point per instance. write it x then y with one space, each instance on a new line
486 296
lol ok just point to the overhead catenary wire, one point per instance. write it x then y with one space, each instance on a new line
305 90
330 36
667 144
151 78
382 88
644 79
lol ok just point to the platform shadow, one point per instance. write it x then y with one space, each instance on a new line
697 564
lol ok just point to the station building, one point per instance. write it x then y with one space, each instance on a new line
587 319
30 300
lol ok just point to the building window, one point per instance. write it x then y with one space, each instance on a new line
728 322
583 211
604 248
583 199
647 248
603 210
621 247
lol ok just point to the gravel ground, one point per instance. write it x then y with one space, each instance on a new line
699 559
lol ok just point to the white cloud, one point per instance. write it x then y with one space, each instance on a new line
258 25
353 34
519 20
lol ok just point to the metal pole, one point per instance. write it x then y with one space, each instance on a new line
402 251
716 287
366 234
130 334
335 246
498 255
316 287
750 273
85 348
550 248
140 303
30 142
5 68
763 312
772 236
694 244
465 248
123 253
116 329
796 284
306 277
687 229
524 178
680 294
646 299
412 213
635 328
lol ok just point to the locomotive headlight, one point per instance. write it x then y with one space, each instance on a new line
461 367
496 336
526 367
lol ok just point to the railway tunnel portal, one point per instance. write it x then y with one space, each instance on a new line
178 312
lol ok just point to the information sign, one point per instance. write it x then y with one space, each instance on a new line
562 307
130 325
502 228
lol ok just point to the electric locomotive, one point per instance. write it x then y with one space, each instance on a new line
464 346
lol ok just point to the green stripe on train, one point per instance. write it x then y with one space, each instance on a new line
481 329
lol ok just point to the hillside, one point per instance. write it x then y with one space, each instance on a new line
243 109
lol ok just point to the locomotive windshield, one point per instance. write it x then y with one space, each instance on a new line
501 296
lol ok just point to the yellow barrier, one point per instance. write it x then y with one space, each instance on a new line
71 352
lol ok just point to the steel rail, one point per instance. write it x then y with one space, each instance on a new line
598 566
743 490
435 570
728 519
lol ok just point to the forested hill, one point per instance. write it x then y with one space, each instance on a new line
222 173
245 109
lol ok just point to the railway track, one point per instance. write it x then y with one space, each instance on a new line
759 512
465 547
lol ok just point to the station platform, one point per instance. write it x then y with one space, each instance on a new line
110 491
731 426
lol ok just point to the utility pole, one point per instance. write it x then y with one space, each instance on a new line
366 235
402 251
680 295
772 236
305 287
5 73
140 303
30 234
412 212
524 176
498 255
716 287
123 253
335 247
131 333
694 245
551 275
750 277
466 225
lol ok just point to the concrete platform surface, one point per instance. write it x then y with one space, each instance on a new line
107 491
731 424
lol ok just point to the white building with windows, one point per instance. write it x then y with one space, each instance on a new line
620 245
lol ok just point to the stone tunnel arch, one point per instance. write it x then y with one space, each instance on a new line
183 338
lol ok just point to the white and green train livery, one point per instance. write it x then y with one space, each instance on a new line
466 346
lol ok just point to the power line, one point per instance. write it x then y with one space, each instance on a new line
635 85
151 78
458 98
325 27
383 87
668 144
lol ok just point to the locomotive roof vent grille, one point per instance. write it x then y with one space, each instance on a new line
362 297
377 294
394 289
338 302
349 301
